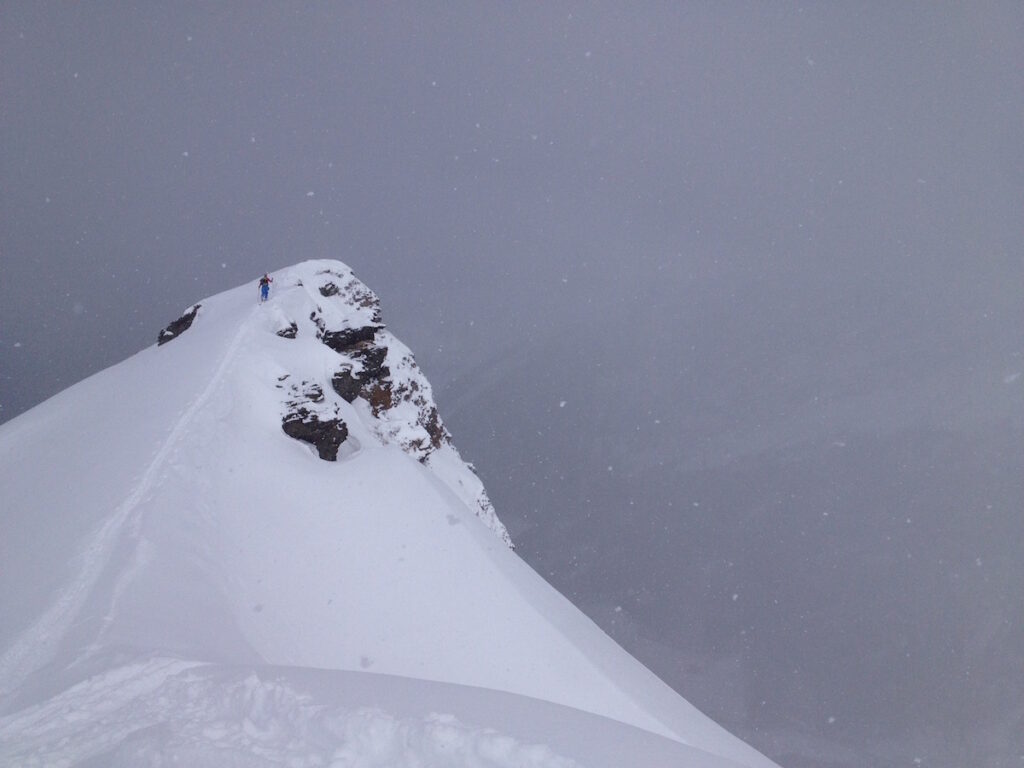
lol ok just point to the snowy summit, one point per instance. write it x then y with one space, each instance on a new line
254 544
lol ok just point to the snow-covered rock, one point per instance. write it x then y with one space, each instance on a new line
187 582
177 327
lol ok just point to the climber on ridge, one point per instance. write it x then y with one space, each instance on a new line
265 282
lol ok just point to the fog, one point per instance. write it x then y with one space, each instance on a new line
723 300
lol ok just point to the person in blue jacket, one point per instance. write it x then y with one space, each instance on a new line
265 282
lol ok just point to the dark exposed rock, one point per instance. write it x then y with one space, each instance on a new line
343 340
329 289
348 386
290 332
380 396
326 435
432 423
372 357
351 384
323 430
178 327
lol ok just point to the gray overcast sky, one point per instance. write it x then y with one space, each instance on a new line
768 255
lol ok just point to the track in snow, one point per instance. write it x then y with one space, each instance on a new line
36 645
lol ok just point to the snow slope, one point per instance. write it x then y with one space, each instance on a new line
181 579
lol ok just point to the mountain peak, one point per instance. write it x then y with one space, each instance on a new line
372 385
262 531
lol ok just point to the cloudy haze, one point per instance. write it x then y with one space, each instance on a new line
760 264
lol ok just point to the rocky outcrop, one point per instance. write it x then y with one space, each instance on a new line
374 367
326 435
347 385
372 358
365 371
310 419
353 292
404 404
368 387
346 338
179 326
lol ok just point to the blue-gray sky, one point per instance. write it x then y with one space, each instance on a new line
723 299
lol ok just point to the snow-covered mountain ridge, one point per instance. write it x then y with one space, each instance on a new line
371 386
237 546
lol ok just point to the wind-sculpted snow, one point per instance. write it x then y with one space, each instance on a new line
168 712
200 587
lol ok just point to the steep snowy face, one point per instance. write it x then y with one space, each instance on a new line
373 382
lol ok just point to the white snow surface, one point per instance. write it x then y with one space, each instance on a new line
183 583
